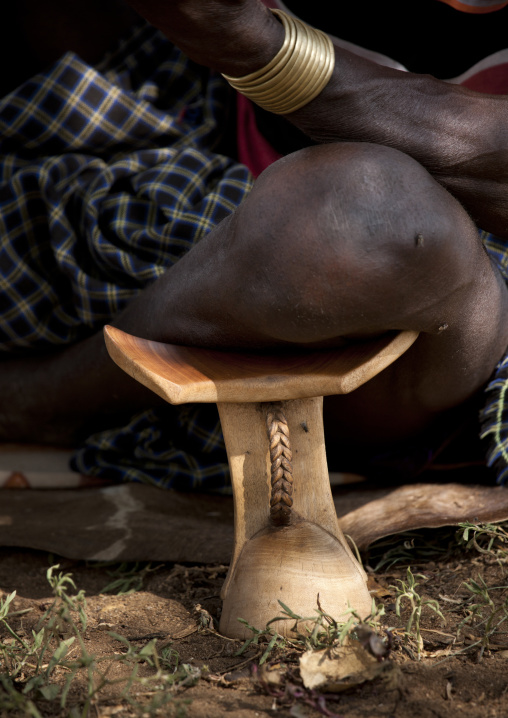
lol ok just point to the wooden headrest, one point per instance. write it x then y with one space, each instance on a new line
190 374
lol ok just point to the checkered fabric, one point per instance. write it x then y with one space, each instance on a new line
494 415
108 175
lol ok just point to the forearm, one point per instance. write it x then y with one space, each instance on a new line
460 136
433 121
235 37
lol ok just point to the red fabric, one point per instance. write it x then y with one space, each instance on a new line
253 150
492 80
479 9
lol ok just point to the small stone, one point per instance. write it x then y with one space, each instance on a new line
103 626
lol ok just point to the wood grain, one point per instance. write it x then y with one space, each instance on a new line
186 374
416 506
292 563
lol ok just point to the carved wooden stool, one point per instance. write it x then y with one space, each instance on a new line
288 544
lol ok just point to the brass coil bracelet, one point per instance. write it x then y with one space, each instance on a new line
297 73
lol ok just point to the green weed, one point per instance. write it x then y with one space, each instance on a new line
45 667
409 548
310 633
406 591
490 540
127 577
483 611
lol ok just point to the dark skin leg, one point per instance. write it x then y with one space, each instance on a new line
326 249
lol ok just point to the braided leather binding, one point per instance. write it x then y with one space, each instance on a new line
281 470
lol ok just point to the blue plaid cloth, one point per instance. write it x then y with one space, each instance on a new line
109 175
494 415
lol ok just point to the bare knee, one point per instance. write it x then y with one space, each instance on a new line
351 239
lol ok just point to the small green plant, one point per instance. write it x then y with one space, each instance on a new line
313 633
488 539
44 667
323 631
483 607
409 548
407 591
266 635
126 577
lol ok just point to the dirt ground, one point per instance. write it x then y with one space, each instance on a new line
171 613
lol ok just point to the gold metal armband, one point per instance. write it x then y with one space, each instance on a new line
297 73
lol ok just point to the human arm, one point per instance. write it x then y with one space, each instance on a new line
460 136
